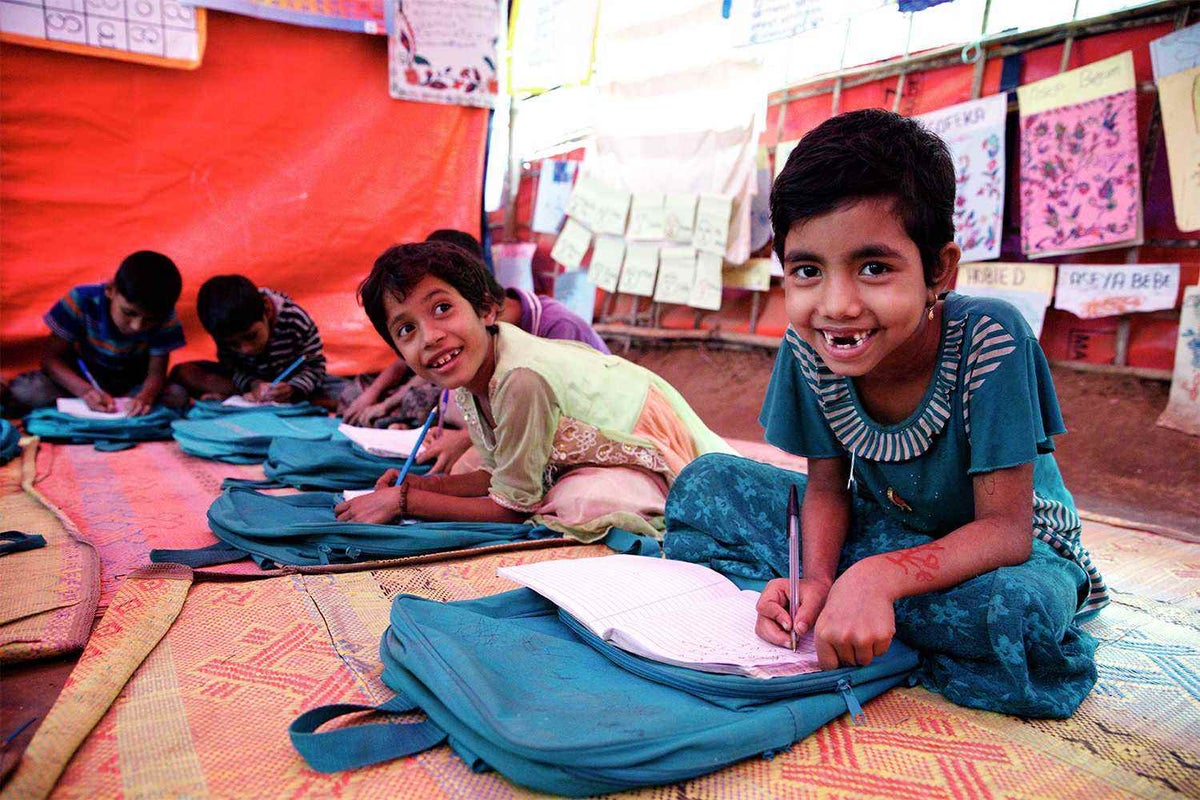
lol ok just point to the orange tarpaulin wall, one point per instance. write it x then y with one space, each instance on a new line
282 157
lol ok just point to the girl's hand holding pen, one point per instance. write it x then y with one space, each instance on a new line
774 617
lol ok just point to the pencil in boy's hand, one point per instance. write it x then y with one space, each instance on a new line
412 457
85 372
290 369
793 533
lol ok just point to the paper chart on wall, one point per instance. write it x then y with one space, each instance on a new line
1079 163
646 219
513 264
553 190
365 16
1105 290
1183 403
601 208
676 272
571 245
974 132
1178 98
605 267
706 289
444 51
552 44
640 269
163 33
1175 52
762 21
576 291
712 223
679 217
1028 286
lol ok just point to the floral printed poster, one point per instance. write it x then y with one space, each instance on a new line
974 131
444 51
1080 176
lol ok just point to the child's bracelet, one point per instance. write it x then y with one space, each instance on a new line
403 500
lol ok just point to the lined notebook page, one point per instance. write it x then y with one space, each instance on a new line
76 407
670 611
382 441
237 401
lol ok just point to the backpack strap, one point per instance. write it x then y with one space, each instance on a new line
361 745
251 483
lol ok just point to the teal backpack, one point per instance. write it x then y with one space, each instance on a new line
208 409
106 434
514 685
244 438
10 441
331 466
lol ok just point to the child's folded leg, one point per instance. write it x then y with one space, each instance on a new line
31 390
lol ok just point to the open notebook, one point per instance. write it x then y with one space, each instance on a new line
76 407
382 441
237 401
671 611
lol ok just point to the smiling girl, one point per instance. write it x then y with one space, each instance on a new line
933 509
570 438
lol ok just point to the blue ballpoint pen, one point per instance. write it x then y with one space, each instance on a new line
290 369
416 448
793 532
83 370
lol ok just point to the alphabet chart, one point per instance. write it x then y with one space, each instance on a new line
160 32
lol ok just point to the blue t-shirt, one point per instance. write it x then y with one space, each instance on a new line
991 405
118 362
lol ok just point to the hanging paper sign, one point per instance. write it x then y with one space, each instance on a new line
706 290
1092 290
513 264
162 33
1183 403
679 217
640 269
444 51
571 245
599 207
606 262
761 21
360 17
1027 286
754 275
712 223
551 44
1175 52
783 151
576 292
1177 98
646 218
974 132
1080 177
676 272
553 191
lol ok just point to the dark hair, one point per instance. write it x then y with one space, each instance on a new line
150 281
871 154
402 266
229 305
460 238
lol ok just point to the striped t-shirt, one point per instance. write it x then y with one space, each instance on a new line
293 333
118 362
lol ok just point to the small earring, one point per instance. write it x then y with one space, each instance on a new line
930 315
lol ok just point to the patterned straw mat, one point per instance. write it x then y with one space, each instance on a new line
206 713
47 596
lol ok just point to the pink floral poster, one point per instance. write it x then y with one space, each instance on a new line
1079 165
444 51
974 132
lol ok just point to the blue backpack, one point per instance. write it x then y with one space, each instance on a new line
208 409
244 438
336 464
107 434
10 441
513 684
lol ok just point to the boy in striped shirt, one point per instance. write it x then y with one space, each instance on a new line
259 334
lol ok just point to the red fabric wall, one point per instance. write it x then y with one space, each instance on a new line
282 157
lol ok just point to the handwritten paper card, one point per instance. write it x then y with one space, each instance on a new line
1183 403
706 289
1175 52
606 262
552 44
599 207
513 262
974 132
754 275
571 245
444 51
553 190
712 223
575 291
1093 290
646 218
1177 97
1080 176
1028 286
679 217
640 269
676 271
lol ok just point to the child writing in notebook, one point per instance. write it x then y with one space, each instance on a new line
570 438
933 509
110 339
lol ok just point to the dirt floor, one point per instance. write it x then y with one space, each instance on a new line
1115 460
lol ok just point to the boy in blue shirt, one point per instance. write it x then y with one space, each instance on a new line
121 333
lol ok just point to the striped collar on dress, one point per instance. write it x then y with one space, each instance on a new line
860 434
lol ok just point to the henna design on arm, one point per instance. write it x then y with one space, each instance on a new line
921 561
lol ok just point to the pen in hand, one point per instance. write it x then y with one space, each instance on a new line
412 456
793 534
